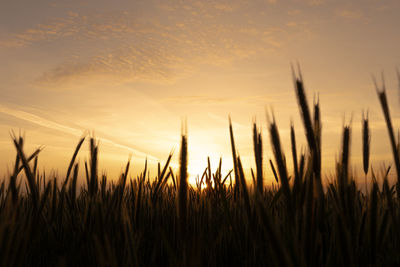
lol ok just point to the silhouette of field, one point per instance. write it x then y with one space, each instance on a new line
222 221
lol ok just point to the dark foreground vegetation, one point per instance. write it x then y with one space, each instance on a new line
163 221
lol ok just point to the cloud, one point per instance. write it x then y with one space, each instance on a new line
349 13
124 46
312 2
32 118
39 120
200 100
163 52
122 65
315 2
55 29
78 27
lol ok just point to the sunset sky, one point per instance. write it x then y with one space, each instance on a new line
131 71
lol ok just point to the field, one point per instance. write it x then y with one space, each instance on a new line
223 221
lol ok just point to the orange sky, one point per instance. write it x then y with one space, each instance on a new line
131 70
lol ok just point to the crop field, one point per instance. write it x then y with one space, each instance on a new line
226 219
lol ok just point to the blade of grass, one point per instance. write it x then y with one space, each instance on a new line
71 163
234 157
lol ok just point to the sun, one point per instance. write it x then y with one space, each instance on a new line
196 169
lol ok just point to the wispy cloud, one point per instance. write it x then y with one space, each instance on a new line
120 65
311 2
78 27
167 42
166 54
203 99
123 46
315 2
349 13
19 114
38 120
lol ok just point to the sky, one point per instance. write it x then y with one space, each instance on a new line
131 71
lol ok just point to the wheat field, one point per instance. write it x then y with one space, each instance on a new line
226 219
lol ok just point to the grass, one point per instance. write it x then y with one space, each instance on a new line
164 221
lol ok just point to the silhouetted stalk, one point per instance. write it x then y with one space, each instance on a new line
258 155
173 177
17 169
244 189
161 177
35 165
385 108
344 162
87 176
122 183
183 186
32 156
28 173
72 188
274 171
366 147
301 166
13 177
254 179
294 156
44 197
309 225
71 164
138 200
280 162
93 167
373 221
317 134
309 129
226 177
235 167
305 113
209 175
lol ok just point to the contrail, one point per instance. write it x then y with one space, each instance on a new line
66 129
